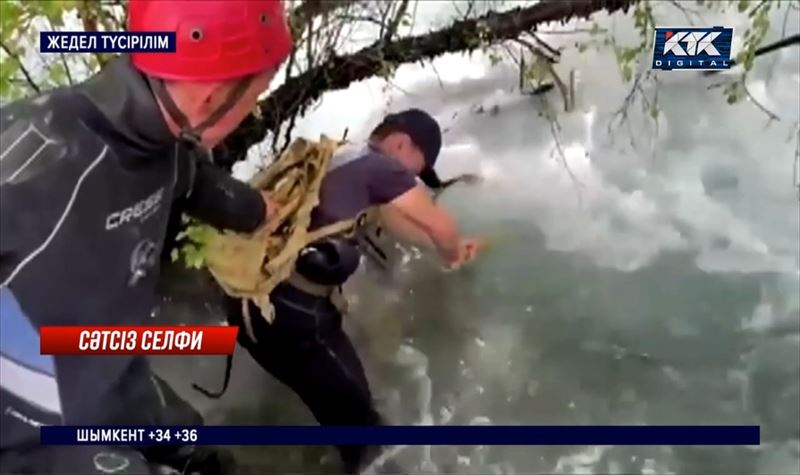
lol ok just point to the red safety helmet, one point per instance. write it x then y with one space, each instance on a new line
215 39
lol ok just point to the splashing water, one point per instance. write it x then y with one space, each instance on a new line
667 295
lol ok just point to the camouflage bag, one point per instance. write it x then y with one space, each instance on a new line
250 266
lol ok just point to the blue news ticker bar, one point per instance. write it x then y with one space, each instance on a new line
402 435
107 42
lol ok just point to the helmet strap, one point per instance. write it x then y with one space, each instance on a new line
192 135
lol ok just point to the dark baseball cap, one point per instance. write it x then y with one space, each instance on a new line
426 134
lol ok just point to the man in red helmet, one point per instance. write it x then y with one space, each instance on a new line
88 175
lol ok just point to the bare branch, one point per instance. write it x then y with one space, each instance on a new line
555 130
290 64
543 44
436 72
364 18
288 134
467 13
786 19
309 9
535 50
28 78
63 57
783 43
796 166
620 116
67 70
413 16
310 42
395 23
384 19
571 31
683 10
771 74
655 116
772 116
340 71
517 61
470 6
758 7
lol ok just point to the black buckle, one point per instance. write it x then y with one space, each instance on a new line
361 220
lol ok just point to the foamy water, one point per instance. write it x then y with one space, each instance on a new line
646 275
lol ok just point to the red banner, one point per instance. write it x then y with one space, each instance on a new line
156 340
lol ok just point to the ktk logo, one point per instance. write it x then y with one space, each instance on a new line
696 43
692 48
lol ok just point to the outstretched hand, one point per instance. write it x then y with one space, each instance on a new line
470 178
468 251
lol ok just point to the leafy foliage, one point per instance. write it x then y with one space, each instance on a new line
192 243
645 24
753 38
23 70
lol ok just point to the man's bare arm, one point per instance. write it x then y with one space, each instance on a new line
417 207
404 229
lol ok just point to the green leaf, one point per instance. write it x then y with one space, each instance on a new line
627 73
742 6
54 11
10 20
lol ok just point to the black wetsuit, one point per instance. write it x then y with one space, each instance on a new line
305 347
88 175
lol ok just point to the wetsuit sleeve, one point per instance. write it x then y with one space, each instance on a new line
388 179
225 202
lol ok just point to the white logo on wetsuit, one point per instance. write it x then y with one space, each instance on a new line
143 257
27 420
140 210
110 462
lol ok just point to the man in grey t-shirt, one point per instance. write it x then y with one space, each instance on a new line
305 346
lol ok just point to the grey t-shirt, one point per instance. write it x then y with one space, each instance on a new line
364 178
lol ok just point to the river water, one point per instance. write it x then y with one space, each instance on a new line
645 275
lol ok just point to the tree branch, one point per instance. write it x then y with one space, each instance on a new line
552 51
796 165
28 77
310 9
338 72
783 43
63 57
771 115
683 10
395 23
